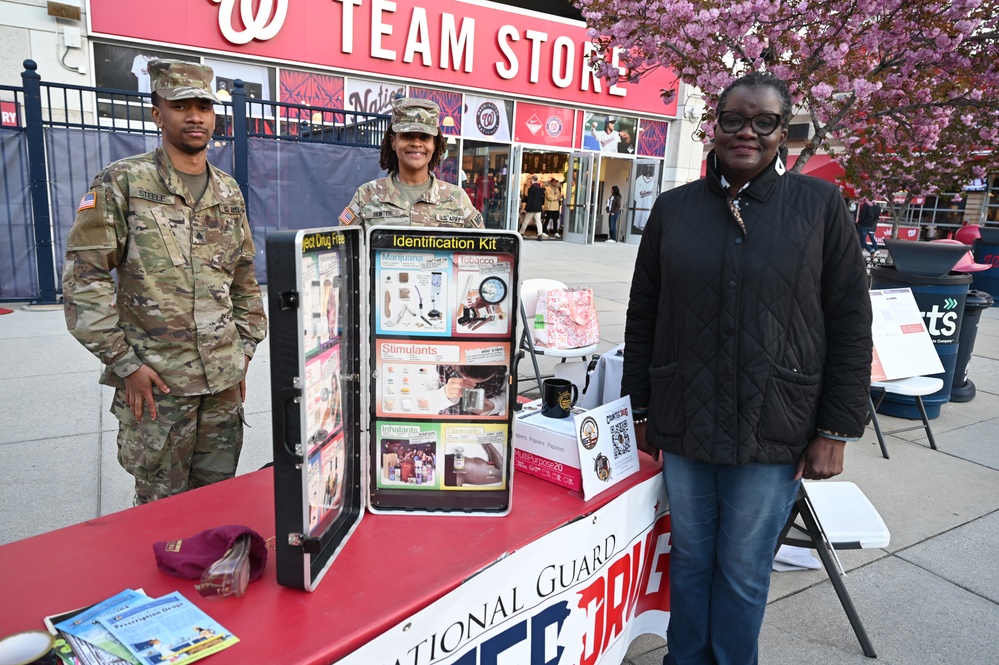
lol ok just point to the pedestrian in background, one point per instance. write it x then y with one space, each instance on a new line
411 195
553 206
533 207
867 221
748 361
613 213
178 323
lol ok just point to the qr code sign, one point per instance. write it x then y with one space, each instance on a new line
620 438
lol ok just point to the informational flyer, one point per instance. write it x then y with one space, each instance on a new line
320 299
902 344
326 475
87 626
167 630
443 318
322 390
324 415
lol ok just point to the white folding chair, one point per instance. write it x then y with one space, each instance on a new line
914 386
836 516
528 305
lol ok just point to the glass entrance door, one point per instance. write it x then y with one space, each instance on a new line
579 211
512 178
485 167
644 188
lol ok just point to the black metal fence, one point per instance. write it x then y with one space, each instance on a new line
297 166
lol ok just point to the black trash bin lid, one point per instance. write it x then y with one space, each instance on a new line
925 259
978 299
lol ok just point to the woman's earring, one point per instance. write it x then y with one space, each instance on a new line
779 166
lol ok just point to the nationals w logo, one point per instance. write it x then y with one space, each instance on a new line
260 26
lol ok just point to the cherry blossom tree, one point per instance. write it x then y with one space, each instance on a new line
885 162
903 86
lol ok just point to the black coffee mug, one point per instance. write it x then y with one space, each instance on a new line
558 397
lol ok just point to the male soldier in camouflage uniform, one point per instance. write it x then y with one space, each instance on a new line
177 332
411 195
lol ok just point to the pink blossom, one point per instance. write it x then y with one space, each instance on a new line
903 86
822 91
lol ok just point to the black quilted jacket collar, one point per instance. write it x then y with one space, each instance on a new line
760 189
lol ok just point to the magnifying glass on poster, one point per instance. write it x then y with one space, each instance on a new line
493 290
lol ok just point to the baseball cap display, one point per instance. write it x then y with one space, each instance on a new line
967 262
968 234
415 115
176 79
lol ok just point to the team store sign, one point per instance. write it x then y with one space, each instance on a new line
453 42
577 596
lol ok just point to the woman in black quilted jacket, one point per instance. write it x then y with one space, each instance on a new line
748 351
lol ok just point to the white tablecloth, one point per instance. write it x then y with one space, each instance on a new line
604 377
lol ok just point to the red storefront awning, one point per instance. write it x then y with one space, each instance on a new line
823 166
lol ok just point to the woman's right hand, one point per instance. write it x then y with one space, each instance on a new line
643 443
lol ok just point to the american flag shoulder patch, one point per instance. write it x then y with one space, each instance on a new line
89 200
347 217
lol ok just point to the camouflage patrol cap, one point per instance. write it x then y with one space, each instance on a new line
176 79
415 115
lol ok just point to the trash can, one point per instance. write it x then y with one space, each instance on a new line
986 250
941 302
963 390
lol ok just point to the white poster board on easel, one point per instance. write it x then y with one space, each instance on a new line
902 344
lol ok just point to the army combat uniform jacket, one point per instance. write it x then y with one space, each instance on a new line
187 302
380 203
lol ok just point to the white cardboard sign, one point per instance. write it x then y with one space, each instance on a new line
608 452
902 345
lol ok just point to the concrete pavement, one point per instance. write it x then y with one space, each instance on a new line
931 596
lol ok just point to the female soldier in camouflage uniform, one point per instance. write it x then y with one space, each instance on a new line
410 195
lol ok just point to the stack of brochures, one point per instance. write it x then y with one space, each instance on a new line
133 628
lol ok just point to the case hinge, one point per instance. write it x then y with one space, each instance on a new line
307 545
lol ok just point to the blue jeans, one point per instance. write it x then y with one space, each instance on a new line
612 225
725 523
868 241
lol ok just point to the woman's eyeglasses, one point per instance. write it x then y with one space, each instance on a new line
763 124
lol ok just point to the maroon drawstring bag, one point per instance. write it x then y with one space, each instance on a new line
190 557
